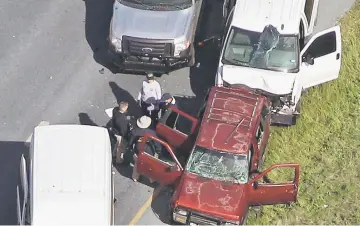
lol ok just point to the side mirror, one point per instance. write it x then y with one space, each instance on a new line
217 41
308 58
172 169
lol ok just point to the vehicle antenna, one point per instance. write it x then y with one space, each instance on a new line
233 131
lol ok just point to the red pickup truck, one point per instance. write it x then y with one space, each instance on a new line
212 162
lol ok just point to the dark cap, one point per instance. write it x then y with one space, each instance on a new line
150 76
166 96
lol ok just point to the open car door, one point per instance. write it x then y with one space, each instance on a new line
176 126
320 58
165 169
269 194
22 192
18 206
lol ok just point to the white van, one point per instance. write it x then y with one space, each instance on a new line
67 178
267 46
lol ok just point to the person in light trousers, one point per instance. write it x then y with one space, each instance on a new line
150 96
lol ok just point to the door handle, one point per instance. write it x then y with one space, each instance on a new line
337 56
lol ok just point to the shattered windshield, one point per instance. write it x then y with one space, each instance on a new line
267 50
218 165
155 4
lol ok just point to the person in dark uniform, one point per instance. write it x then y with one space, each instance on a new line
122 119
153 148
121 122
166 101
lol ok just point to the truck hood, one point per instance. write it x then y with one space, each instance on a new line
278 83
148 23
215 198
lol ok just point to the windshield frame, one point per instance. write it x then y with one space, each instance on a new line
207 150
163 6
224 61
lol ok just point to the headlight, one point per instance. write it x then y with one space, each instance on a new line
116 42
180 216
231 223
181 47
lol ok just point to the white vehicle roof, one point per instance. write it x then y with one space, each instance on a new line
71 175
254 15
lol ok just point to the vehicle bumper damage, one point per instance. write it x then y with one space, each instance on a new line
141 55
283 110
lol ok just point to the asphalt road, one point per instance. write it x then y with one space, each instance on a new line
51 56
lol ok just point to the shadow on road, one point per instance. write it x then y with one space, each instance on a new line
203 77
160 205
84 119
123 95
10 153
188 104
97 25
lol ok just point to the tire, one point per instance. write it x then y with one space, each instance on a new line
192 56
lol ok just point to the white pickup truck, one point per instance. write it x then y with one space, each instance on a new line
269 46
67 178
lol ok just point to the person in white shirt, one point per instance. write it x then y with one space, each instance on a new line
149 97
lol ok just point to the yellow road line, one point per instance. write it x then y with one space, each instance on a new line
146 205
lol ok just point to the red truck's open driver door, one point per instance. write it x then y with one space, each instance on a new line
165 170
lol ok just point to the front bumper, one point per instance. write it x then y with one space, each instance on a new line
196 218
283 119
146 64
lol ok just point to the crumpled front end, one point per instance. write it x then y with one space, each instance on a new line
283 110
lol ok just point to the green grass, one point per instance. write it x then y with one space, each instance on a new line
326 143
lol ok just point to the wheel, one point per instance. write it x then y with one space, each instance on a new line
192 56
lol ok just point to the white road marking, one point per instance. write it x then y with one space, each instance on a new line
42 123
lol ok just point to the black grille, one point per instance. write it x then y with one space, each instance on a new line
147 47
200 220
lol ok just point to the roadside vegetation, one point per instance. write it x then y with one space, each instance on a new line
326 144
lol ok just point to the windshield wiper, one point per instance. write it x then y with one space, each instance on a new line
169 4
143 4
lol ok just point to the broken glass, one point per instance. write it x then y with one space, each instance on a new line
268 49
218 165
268 40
